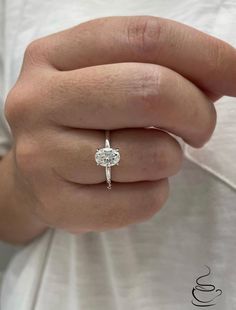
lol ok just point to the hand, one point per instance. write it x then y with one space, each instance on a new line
119 73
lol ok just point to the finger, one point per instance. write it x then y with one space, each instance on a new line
95 208
146 154
131 95
205 60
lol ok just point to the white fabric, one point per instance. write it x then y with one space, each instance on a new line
147 266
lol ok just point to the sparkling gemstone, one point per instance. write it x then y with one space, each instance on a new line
107 156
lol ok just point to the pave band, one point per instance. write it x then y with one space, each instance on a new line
107 157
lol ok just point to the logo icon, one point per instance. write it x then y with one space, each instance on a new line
205 294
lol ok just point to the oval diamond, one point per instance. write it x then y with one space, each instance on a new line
107 157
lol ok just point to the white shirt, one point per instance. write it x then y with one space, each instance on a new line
148 266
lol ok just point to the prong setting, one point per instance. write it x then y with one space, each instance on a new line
107 157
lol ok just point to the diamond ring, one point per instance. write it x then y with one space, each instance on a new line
107 157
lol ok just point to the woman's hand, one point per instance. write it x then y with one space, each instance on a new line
119 73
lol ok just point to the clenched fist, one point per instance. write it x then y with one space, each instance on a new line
144 78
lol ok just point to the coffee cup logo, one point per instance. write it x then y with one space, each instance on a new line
205 294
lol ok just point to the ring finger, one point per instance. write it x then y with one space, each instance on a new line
146 154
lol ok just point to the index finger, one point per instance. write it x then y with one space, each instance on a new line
208 62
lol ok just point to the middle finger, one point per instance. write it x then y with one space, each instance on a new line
132 95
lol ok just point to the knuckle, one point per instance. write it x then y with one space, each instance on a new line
207 128
175 157
9 107
149 91
143 33
178 160
34 52
16 105
211 124
20 106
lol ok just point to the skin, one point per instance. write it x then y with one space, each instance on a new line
146 79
